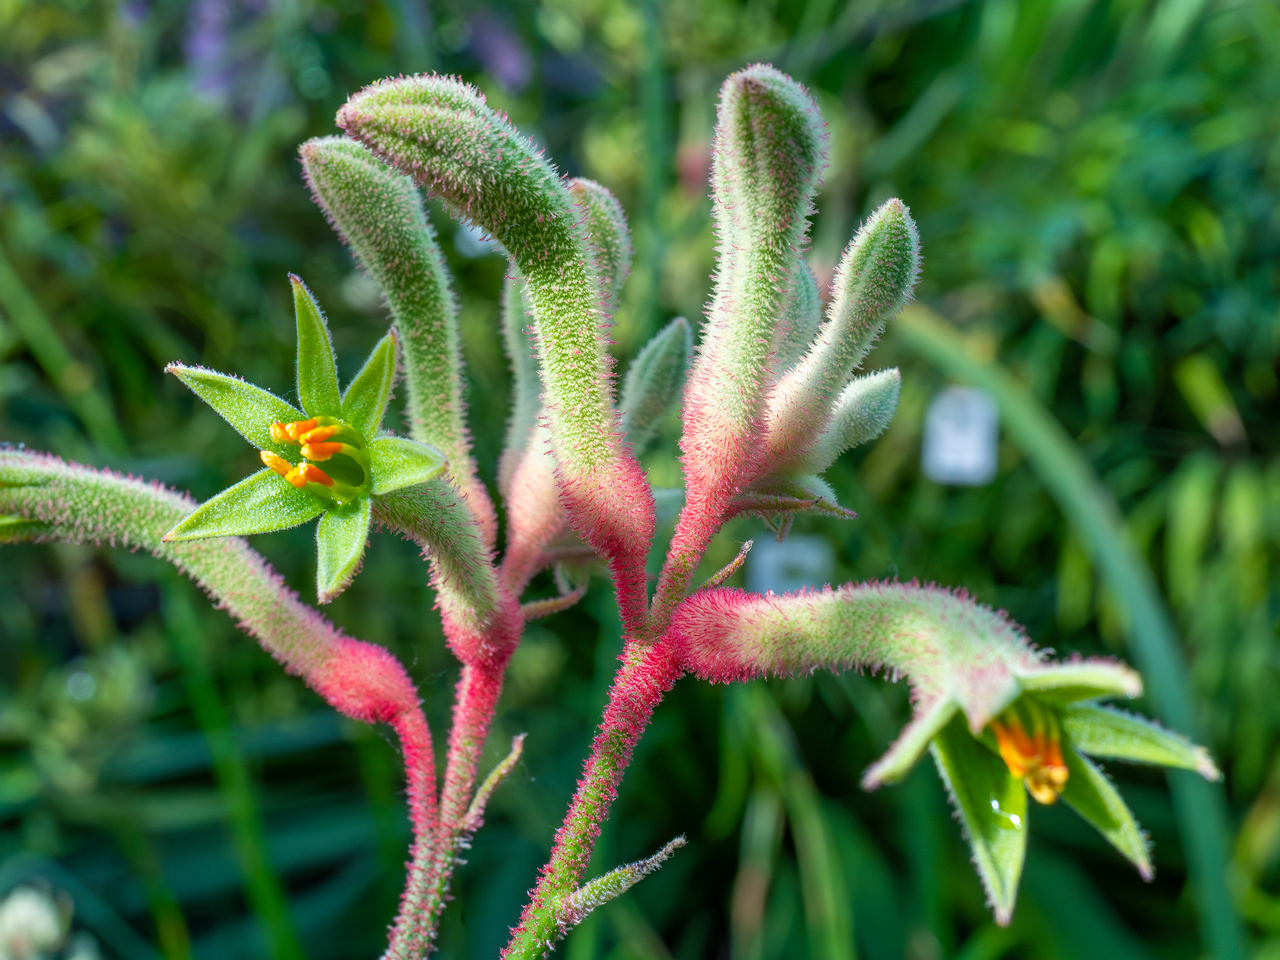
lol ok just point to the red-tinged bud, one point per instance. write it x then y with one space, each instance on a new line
1030 742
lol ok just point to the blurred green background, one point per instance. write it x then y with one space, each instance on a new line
1096 184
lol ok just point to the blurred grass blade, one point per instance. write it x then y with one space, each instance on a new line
822 881
263 887
72 378
1091 509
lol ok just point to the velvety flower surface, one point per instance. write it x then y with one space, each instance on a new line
325 460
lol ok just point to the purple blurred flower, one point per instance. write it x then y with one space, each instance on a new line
500 52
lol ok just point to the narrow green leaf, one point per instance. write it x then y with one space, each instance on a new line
365 401
249 409
1089 793
317 368
261 503
340 539
993 811
654 380
1105 732
397 462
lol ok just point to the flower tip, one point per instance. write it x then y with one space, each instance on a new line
1206 767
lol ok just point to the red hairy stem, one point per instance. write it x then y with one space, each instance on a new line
701 517
615 515
648 671
476 701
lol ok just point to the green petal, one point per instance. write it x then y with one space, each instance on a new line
340 539
1062 683
1089 793
261 503
367 395
396 462
993 811
913 741
251 410
1104 732
317 369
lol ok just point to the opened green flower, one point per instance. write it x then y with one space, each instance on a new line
1041 745
325 460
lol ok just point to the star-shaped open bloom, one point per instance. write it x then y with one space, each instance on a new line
325 460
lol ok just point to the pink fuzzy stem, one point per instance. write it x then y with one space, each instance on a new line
648 671
366 682
612 510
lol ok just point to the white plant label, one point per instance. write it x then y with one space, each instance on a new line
796 562
961 438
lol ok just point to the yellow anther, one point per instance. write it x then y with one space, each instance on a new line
279 464
1036 756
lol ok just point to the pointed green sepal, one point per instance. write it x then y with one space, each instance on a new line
365 402
261 503
992 804
654 380
1089 793
911 744
317 368
249 409
1104 732
341 535
1062 683
397 462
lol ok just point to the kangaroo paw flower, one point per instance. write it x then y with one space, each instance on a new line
325 460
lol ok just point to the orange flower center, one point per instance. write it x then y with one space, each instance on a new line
1030 745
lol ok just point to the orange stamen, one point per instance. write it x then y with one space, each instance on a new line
314 474
321 451
1035 756
318 435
